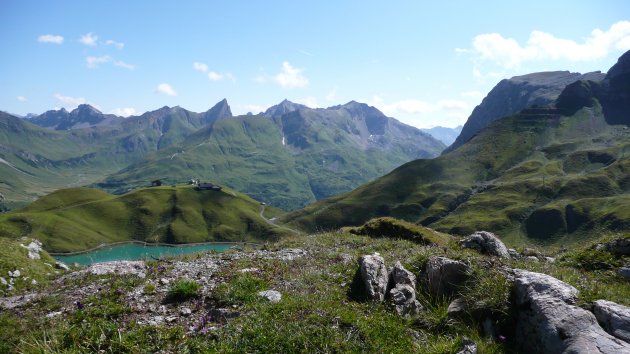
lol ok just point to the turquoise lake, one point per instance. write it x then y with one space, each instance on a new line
135 251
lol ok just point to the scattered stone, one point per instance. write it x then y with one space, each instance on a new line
185 311
614 318
550 260
532 258
34 282
290 254
403 293
486 242
620 247
549 322
513 253
272 296
62 266
249 270
222 315
54 314
156 321
468 347
17 301
136 268
15 274
33 249
163 281
345 258
171 319
625 272
443 276
374 275
3 281
457 308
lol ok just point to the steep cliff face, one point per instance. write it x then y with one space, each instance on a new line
512 95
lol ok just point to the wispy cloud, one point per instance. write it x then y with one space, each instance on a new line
291 77
50 38
68 101
302 51
122 64
88 39
112 42
471 94
124 112
448 112
542 46
332 95
165 89
21 98
200 67
94 62
309 101
214 76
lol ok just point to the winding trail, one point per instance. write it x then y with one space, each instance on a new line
272 223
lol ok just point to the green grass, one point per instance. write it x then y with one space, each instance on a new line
82 218
182 290
15 257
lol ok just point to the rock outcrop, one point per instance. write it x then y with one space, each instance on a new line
402 291
33 249
512 95
272 296
443 276
620 247
549 322
486 242
374 276
614 318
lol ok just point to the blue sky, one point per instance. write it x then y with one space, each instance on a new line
425 63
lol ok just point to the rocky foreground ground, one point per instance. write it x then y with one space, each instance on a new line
337 292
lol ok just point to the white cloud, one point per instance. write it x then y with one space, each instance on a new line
472 94
118 45
94 62
124 112
291 77
50 38
122 64
419 113
310 102
68 101
302 51
214 76
200 67
540 46
89 39
21 98
165 89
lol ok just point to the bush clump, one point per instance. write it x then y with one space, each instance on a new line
183 289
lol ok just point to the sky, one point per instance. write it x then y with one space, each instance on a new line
426 63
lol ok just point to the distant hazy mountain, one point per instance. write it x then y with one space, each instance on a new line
512 95
444 134
288 157
84 116
552 174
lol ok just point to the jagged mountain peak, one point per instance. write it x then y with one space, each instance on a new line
85 109
621 67
283 107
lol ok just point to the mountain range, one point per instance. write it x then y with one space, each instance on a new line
547 174
288 156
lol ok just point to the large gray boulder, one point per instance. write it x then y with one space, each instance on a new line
403 291
443 276
619 247
549 322
374 276
486 242
614 318
625 272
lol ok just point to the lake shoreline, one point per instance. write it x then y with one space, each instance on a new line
150 244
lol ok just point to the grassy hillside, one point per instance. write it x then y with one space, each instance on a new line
536 177
81 218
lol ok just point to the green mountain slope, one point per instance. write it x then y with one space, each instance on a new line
81 218
287 160
538 176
